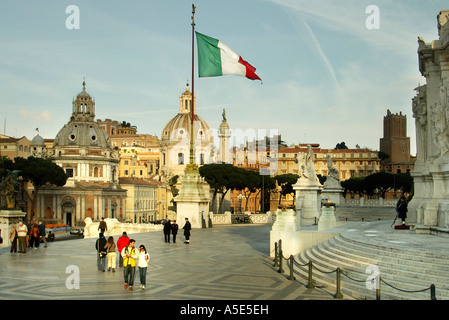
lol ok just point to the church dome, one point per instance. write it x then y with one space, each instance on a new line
82 130
179 126
38 141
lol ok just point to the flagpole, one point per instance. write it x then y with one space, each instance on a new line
193 86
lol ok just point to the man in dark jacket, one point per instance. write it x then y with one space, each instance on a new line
42 233
167 230
402 209
187 227
101 252
174 230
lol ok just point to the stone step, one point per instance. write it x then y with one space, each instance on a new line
353 283
417 255
353 258
354 251
401 272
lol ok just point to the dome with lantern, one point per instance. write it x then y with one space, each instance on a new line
82 130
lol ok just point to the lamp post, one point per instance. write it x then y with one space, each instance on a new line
240 196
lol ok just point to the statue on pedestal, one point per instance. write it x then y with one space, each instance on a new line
8 189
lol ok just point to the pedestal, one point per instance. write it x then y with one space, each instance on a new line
8 218
286 228
308 202
327 218
192 201
334 195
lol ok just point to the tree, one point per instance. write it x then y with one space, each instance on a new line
286 181
6 165
382 181
341 145
39 172
219 177
353 185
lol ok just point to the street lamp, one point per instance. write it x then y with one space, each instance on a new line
240 196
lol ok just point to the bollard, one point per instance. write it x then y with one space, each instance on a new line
433 292
280 262
310 285
378 287
276 257
280 257
338 294
291 269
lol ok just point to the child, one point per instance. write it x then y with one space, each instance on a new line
144 258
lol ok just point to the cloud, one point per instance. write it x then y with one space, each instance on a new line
42 116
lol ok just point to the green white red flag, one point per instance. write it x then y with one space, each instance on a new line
216 59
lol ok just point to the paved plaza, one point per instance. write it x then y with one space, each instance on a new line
220 263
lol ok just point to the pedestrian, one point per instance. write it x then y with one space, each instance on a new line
101 252
174 230
112 255
13 238
42 233
121 243
103 227
144 259
187 227
35 236
402 209
167 229
129 254
22 232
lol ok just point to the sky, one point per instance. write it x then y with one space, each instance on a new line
327 76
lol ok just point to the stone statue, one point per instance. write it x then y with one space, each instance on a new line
439 122
224 114
306 166
9 186
333 175
419 108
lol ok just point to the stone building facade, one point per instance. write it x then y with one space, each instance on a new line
83 149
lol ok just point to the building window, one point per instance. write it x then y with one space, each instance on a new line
180 158
69 172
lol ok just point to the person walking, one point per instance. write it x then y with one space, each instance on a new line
174 230
121 243
42 233
167 229
22 232
402 209
103 227
187 227
101 253
13 238
34 236
144 259
112 255
130 255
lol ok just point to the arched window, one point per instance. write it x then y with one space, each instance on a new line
181 158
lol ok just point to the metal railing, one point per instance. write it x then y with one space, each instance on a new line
278 263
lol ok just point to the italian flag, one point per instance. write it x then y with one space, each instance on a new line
217 59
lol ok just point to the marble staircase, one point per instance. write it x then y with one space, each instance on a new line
402 271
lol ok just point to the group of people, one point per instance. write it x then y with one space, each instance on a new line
172 228
21 237
129 258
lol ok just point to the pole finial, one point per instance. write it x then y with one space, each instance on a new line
193 15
